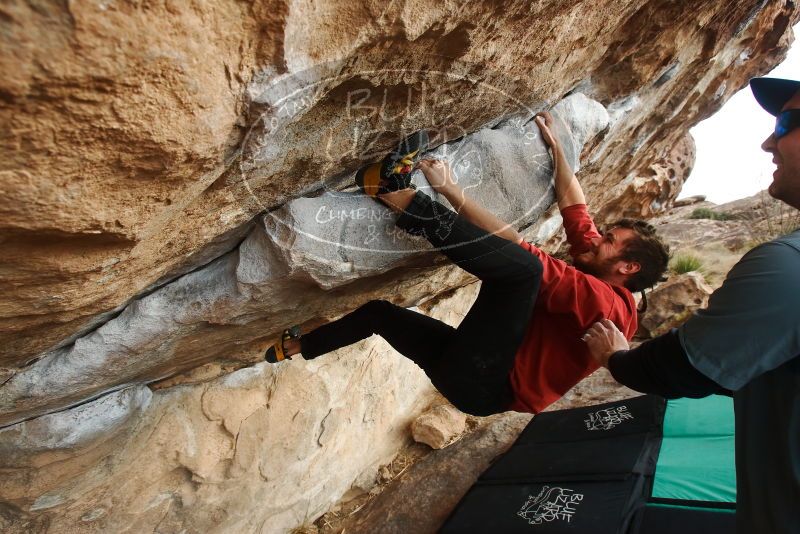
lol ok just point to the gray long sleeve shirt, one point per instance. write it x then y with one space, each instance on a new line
748 341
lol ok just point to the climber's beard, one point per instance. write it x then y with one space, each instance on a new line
590 264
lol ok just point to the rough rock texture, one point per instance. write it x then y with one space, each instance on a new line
296 429
248 452
598 387
683 231
720 243
141 139
163 340
671 303
438 426
654 190
143 144
423 497
689 201
763 217
337 237
284 274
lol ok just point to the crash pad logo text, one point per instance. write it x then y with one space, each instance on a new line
608 418
551 504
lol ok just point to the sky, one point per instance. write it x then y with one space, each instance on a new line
730 163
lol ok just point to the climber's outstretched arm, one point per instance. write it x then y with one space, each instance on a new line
568 190
439 175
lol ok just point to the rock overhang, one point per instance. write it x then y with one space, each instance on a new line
238 297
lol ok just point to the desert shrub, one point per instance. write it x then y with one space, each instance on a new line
708 213
685 263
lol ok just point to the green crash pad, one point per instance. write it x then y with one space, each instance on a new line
696 465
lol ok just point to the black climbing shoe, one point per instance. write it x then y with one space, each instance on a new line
394 172
276 352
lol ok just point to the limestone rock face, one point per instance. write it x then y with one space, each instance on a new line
671 303
281 275
736 227
175 189
261 449
654 190
141 140
596 388
339 236
248 452
421 500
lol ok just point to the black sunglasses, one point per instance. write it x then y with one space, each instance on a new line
786 121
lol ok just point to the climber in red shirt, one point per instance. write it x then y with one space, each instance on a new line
519 347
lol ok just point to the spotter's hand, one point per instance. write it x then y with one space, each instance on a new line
604 339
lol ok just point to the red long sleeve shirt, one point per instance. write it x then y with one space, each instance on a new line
552 358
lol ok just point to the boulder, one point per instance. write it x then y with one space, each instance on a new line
264 448
720 242
671 303
282 272
337 236
439 426
176 190
653 190
689 201
142 140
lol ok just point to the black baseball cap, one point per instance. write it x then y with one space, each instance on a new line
773 93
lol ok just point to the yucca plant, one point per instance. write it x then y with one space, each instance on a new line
686 263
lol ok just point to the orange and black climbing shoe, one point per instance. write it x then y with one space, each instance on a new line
394 172
276 353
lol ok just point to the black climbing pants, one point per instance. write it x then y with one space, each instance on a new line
469 365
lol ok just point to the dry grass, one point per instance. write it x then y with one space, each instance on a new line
686 263
333 521
770 219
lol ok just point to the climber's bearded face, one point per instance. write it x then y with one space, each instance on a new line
604 257
785 152
589 264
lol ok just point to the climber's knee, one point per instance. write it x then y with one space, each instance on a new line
377 307
527 269
375 312
534 267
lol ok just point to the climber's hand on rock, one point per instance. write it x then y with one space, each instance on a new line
604 339
544 121
439 175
